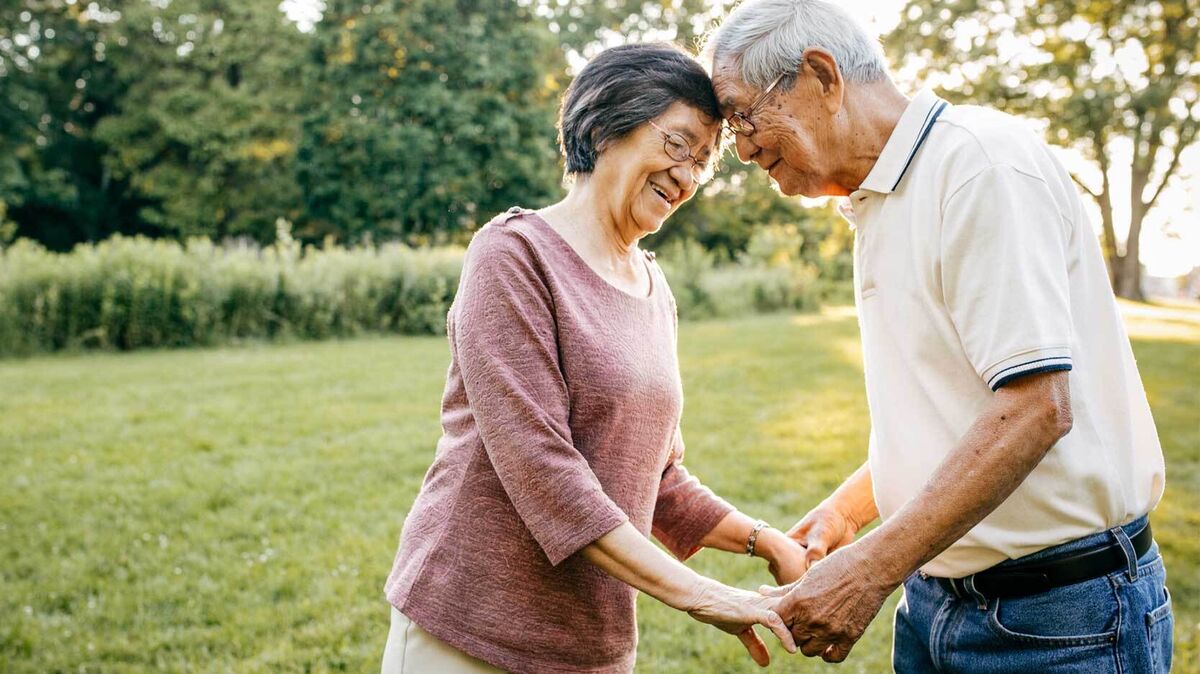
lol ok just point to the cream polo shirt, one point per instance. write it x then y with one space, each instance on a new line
974 265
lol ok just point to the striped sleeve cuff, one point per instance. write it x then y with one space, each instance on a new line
1034 361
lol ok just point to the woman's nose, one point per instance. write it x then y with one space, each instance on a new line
681 173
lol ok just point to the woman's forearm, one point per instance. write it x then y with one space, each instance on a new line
627 555
732 534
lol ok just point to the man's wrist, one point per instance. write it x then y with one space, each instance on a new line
880 555
849 511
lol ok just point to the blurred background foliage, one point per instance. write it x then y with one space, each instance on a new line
414 121
408 120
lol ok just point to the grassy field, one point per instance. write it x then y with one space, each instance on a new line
237 509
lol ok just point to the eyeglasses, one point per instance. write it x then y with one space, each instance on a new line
677 148
739 122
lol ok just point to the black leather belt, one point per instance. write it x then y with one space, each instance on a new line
1022 580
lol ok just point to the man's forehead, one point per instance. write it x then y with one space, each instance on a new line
730 89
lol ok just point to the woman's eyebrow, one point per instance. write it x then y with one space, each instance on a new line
687 134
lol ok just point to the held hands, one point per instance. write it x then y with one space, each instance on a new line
737 612
830 607
785 557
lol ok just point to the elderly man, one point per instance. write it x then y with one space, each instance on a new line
1013 457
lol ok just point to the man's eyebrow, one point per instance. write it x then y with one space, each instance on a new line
726 103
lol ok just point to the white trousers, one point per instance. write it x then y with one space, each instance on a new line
412 650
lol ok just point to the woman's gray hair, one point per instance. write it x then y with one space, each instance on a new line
767 38
621 89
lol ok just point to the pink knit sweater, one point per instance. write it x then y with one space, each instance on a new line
560 422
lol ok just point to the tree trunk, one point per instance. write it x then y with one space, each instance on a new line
1112 256
1129 281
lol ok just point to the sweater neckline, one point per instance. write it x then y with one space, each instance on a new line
591 273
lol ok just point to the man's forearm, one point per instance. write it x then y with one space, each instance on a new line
1005 444
855 498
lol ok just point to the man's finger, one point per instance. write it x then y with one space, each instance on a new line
798 531
755 646
814 553
773 622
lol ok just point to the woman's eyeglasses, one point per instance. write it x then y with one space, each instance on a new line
677 148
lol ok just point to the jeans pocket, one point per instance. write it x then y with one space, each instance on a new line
1082 614
1160 627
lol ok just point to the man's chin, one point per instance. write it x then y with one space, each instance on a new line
790 188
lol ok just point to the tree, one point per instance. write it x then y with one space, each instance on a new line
162 118
206 129
1099 73
427 116
55 87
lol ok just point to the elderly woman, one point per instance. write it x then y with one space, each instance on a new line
561 449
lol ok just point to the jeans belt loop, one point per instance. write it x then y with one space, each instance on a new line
1122 539
969 584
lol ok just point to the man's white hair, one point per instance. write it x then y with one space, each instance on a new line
766 38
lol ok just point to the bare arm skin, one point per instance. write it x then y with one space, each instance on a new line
630 557
785 557
832 605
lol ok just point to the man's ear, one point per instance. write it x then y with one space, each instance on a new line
826 70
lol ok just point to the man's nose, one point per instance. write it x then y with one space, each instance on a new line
746 149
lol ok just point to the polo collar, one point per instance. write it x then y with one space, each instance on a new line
906 139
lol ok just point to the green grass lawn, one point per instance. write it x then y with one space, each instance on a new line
237 509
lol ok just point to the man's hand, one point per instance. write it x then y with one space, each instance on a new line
823 530
829 609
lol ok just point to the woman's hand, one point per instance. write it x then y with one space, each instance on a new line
785 557
737 612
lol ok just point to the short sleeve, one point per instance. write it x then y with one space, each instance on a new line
1005 275
686 510
504 338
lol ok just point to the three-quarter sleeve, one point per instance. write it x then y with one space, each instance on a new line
503 333
686 510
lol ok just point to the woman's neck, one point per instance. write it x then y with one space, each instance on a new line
585 218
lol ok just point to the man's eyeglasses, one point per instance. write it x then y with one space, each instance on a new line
739 122
677 148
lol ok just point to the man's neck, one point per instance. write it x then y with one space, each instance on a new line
875 110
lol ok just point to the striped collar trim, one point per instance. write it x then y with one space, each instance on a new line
906 139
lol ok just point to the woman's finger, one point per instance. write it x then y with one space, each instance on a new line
835 653
755 646
773 622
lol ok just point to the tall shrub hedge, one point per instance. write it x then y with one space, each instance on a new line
128 293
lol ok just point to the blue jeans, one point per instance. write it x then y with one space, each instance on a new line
1119 623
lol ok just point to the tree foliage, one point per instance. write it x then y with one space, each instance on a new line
425 116
414 120
1099 73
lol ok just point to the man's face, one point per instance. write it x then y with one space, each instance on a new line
793 138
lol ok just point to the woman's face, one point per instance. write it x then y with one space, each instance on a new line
642 183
